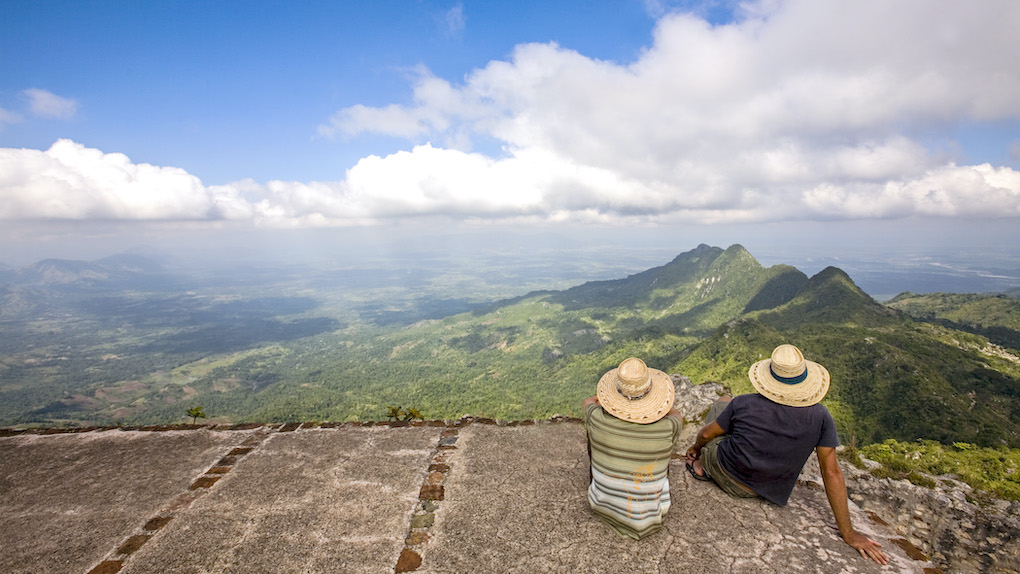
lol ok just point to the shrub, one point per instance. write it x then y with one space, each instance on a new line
993 471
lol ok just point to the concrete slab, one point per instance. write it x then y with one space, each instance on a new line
66 500
515 502
475 497
317 500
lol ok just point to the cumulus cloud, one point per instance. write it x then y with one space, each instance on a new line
798 99
800 109
46 104
70 181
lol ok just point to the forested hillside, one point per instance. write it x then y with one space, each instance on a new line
146 357
892 377
994 316
533 356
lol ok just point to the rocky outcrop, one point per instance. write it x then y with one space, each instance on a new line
693 401
957 533
941 524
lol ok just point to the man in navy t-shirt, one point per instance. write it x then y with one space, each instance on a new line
756 445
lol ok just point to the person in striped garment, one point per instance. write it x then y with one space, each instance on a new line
632 431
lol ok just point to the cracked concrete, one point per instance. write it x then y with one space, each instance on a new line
349 499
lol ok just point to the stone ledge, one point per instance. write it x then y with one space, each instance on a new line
293 426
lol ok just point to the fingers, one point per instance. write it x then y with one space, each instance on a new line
876 554
868 548
871 551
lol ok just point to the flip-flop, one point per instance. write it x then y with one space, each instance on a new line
701 477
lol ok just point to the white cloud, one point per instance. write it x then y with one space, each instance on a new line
49 105
8 117
455 19
969 191
70 181
804 109
799 100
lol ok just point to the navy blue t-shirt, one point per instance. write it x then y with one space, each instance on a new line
767 443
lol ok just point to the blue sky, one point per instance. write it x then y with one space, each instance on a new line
167 117
236 90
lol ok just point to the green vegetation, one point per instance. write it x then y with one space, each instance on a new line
990 471
891 377
196 413
394 413
288 352
399 414
996 317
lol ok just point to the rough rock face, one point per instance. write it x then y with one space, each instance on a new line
958 535
693 401
937 524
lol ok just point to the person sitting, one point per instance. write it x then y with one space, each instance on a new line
755 445
632 431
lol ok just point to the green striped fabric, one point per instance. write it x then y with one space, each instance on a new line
629 487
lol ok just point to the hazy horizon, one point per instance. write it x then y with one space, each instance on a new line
882 136
936 257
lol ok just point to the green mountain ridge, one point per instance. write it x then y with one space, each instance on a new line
996 317
707 314
892 377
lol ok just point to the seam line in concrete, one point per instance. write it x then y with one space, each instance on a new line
430 495
115 559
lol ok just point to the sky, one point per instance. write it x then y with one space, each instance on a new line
794 125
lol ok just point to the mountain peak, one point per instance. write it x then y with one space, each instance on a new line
833 274
122 268
830 296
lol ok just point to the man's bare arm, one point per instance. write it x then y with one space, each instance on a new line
707 433
835 491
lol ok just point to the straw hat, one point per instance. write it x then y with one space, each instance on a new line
635 393
788 379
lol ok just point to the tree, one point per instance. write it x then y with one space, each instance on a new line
196 413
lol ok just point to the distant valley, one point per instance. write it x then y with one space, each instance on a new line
126 340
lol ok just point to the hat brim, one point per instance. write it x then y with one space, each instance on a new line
645 410
804 394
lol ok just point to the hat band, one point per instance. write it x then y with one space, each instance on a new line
640 395
789 380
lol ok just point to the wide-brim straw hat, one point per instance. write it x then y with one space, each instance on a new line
635 393
789 379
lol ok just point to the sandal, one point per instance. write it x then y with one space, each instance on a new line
701 477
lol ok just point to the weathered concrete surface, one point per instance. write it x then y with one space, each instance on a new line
517 504
311 501
67 500
469 498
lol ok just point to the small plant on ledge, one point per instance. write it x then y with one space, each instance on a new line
196 413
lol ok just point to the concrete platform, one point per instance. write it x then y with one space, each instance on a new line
463 497
67 500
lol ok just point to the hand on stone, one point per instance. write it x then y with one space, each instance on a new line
867 547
